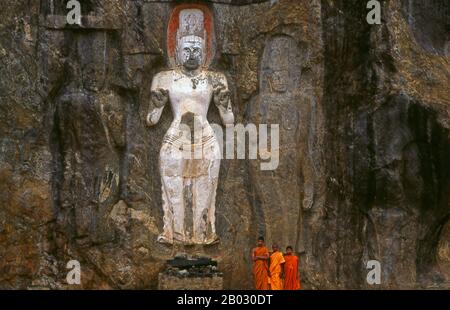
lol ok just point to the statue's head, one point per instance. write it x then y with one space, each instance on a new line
280 65
190 52
191 39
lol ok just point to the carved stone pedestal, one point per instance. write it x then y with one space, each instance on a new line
183 273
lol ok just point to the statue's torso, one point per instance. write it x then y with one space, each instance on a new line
189 94
190 97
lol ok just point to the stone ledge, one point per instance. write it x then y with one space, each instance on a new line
190 274
169 282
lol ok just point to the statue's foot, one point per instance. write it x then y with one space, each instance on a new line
212 240
180 239
164 240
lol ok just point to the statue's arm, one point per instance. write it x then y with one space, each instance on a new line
159 96
222 100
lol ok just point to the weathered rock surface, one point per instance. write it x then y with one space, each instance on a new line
364 116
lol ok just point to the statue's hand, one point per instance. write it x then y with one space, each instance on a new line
159 97
221 96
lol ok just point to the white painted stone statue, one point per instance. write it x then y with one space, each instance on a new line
189 164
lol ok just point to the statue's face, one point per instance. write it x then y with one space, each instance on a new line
191 53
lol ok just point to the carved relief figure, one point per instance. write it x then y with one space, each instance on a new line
277 199
87 108
189 164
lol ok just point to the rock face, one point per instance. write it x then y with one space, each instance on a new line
363 112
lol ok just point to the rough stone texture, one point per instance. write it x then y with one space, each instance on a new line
168 282
364 117
192 276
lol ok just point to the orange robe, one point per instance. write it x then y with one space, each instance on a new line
291 277
276 259
260 269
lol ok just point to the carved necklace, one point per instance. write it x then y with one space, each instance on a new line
194 83
194 79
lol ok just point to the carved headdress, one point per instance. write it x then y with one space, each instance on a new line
191 28
190 22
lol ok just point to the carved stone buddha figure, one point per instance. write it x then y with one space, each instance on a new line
190 154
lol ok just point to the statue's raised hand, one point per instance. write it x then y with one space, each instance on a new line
159 97
221 96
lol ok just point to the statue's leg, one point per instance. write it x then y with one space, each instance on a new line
172 194
204 192
167 235
173 207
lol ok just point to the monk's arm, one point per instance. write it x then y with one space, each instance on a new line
264 257
256 257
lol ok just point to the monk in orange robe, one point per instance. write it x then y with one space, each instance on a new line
291 276
276 269
260 257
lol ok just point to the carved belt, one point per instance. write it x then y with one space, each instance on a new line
177 138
